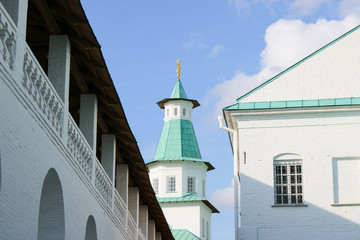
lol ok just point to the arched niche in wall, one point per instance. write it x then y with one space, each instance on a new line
0 171
91 229
51 223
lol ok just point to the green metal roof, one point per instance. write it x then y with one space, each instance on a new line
183 234
295 104
178 143
178 91
298 63
188 198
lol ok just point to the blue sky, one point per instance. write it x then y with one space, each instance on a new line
226 49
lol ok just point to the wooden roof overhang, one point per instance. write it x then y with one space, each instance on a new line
89 74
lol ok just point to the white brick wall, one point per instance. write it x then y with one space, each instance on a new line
317 137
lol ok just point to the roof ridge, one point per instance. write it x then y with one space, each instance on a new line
299 62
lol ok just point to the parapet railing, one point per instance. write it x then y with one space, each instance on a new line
141 236
36 90
7 40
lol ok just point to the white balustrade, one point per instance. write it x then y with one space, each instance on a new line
41 92
7 39
79 148
103 183
141 236
119 208
131 227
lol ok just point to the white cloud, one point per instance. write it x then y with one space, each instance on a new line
305 7
350 7
223 197
287 41
241 6
194 41
215 50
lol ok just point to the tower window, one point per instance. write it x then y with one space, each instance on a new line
184 111
203 187
156 185
170 184
202 227
167 112
207 231
175 111
191 184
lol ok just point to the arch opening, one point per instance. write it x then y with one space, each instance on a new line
91 229
51 223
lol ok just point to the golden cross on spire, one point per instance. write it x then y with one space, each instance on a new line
178 68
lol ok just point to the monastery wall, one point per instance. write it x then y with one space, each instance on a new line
29 152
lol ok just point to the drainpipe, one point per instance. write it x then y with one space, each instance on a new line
236 174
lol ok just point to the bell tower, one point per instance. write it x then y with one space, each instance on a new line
178 172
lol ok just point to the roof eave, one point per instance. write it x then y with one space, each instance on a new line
194 102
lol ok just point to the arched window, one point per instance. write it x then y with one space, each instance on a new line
51 223
90 229
167 112
184 111
288 182
175 111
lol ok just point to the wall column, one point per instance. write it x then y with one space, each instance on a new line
59 71
122 181
158 236
134 204
143 220
151 232
108 157
88 118
59 66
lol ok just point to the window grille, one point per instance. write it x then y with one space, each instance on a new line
288 182
203 187
171 184
191 184
156 185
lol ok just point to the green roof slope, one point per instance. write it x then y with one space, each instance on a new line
183 234
178 91
178 142
188 198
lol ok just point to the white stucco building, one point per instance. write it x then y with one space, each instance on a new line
70 167
298 148
178 173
